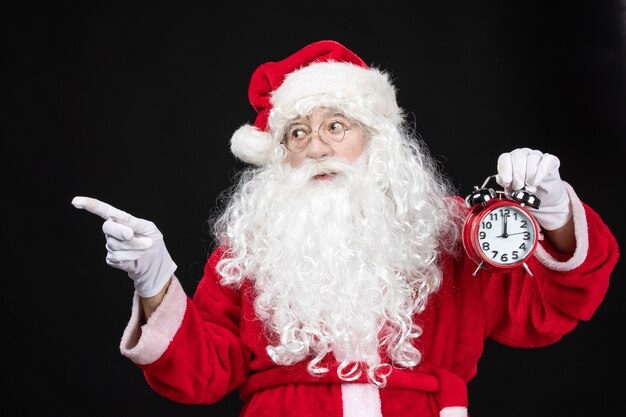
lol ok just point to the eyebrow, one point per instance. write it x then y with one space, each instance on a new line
304 119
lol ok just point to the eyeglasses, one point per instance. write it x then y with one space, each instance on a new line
331 131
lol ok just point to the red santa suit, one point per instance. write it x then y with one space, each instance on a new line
197 350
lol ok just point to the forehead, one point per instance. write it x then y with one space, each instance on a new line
318 112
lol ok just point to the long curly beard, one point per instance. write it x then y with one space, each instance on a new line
338 265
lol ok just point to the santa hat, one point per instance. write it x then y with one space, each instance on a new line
324 73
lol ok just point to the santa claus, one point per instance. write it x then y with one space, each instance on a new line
339 286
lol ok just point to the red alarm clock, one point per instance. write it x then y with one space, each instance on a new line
499 233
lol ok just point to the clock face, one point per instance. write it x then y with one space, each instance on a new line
506 235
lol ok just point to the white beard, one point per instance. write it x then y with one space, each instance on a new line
335 264
325 287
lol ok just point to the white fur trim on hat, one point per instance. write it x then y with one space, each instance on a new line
251 145
362 93
359 90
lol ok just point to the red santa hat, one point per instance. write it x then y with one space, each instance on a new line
324 73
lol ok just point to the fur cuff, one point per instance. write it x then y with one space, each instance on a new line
145 344
453 412
582 238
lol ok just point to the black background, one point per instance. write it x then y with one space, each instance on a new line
134 104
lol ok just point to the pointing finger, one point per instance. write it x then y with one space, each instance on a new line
108 212
100 208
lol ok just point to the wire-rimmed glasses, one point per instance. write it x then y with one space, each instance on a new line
331 131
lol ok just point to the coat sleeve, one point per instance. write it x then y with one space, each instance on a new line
525 311
191 349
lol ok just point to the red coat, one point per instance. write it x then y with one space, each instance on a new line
198 350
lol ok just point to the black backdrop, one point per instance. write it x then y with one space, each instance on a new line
134 103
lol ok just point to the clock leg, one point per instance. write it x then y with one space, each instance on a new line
527 269
480 265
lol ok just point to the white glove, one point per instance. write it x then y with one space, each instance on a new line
538 173
133 245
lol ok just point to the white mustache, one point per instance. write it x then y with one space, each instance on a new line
311 168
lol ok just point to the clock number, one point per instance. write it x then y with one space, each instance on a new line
482 235
522 246
526 235
504 212
495 253
486 225
504 257
514 255
493 216
523 225
485 245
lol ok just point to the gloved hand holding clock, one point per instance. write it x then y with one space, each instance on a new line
500 234
538 173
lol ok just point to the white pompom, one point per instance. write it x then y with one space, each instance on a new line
252 145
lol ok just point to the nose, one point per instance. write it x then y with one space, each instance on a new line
318 149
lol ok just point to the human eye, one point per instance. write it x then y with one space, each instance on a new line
336 128
298 134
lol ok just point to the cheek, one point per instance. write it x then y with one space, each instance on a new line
353 150
295 159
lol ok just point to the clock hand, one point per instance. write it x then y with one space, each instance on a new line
518 233
504 233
